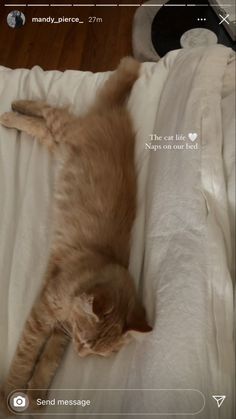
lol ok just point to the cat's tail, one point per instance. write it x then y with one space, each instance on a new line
116 89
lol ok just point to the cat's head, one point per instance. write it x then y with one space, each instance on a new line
107 313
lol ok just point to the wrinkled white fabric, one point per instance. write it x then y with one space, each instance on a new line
181 254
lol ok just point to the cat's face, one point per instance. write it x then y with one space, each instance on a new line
107 315
103 339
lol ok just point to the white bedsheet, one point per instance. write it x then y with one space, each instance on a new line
181 255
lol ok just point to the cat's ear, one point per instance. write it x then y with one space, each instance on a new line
136 320
97 303
86 304
102 301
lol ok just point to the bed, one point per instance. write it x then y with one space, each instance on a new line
183 109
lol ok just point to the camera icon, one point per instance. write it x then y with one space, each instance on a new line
19 402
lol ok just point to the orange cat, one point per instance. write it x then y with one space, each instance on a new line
88 295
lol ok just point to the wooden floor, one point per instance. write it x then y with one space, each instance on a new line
96 46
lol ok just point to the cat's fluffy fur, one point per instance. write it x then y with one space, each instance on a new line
88 294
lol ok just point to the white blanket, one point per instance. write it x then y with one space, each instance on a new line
181 253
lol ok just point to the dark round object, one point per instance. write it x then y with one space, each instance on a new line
171 22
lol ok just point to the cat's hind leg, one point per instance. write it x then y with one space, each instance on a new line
30 107
56 119
34 126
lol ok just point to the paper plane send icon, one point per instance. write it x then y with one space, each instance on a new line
219 399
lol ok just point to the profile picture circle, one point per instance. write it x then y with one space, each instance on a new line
15 19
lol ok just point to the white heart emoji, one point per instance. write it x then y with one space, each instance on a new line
192 136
